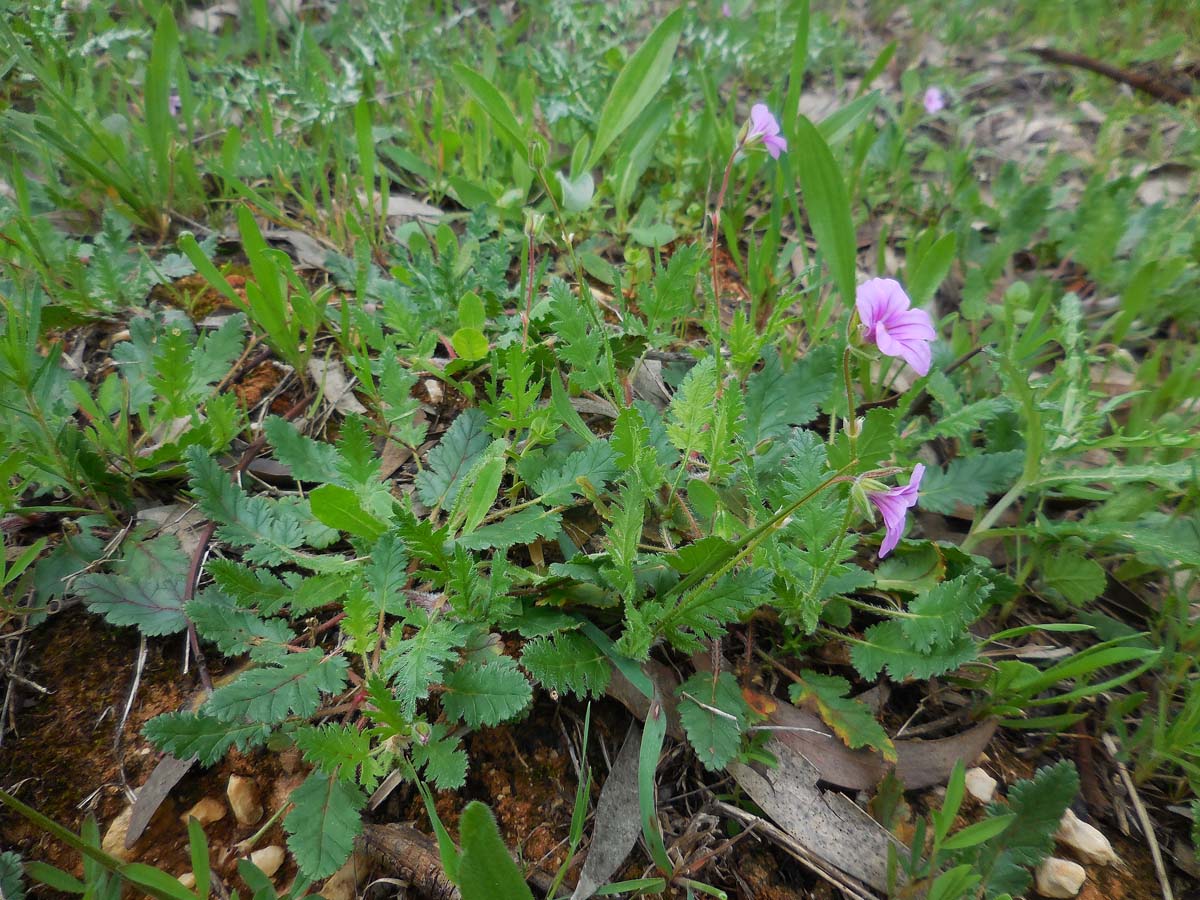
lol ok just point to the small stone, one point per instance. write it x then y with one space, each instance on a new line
1059 878
187 879
114 838
1086 840
207 811
244 800
981 785
343 884
268 859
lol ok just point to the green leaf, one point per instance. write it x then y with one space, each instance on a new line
460 446
486 693
485 869
236 631
969 480
470 343
940 616
12 878
778 399
827 205
715 728
641 78
146 590
497 107
692 408
187 734
594 465
931 269
443 758
293 687
578 344
567 662
885 645
339 507
522 527
415 663
854 722
978 832
55 878
482 484
309 460
1078 579
336 750
323 824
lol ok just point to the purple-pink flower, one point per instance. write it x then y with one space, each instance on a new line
935 101
764 127
889 322
894 505
726 11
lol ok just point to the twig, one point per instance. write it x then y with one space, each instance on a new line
1147 84
1143 817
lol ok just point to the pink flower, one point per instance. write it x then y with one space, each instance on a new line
763 126
726 11
934 101
893 505
889 323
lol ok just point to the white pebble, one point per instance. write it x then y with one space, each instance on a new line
1059 878
1086 840
981 785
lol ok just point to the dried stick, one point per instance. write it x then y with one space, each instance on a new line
1147 84
1143 817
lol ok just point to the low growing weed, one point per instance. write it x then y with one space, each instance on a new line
614 405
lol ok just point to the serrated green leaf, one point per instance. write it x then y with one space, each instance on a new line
186 734
522 527
714 715
443 758
969 480
236 631
336 750
1078 579
577 343
854 722
146 589
595 464
12 876
270 694
885 645
460 446
941 615
323 824
309 460
415 663
778 399
567 662
692 408
486 694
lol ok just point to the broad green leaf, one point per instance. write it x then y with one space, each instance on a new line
1078 579
146 589
931 269
467 437
470 344
340 508
640 79
186 734
497 107
827 206
486 871
522 527
270 694
714 716
567 662
323 824
486 694
978 832
852 721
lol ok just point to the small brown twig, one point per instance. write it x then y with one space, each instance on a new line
1143 817
1139 81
